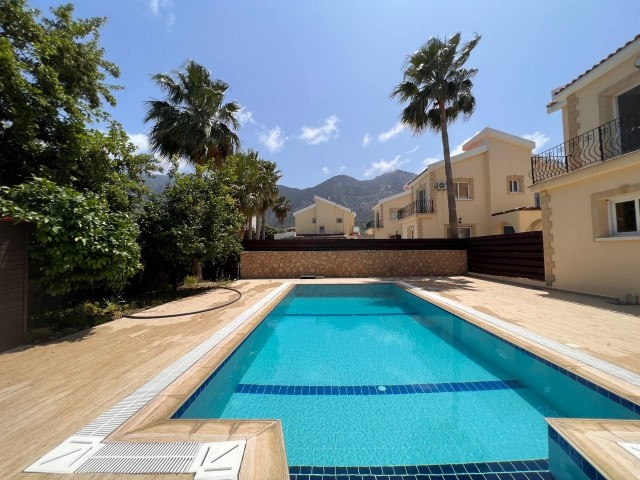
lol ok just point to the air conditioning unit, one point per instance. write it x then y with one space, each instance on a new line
441 186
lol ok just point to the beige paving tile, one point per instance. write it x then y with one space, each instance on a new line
47 392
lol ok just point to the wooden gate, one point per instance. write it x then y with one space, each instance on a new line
511 255
14 261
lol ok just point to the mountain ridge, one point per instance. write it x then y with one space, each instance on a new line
358 195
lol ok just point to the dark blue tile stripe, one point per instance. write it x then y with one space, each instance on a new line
378 314
588 469
633 407
452 476
361 390
537 469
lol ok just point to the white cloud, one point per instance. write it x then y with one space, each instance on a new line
383 166
141 142
325 170
343 168
158 8
458 150
154 5
414 149
539 138
428 161
366 140
244 116
324 133
171 20
273 139
388 135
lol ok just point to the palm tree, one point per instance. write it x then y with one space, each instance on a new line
281 208
438 90
193 122
243 168
268 177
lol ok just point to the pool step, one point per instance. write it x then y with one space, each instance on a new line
537 469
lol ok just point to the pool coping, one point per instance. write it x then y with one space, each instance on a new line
535 344
265 441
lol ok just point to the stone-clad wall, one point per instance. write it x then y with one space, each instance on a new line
354 263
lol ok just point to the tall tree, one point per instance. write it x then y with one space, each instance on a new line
437 90
193 122
194 218
53 87
281 208
255 184
268 177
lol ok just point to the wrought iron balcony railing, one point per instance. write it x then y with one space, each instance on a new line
417 206
614 138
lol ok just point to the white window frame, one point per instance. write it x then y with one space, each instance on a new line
613 224
465 228
393 214
457 188
460 228
515 183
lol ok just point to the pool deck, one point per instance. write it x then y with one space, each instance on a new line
49 391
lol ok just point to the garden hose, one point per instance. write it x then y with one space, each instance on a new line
145 317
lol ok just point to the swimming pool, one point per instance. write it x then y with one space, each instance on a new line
373 376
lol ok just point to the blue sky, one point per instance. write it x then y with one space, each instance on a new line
314 77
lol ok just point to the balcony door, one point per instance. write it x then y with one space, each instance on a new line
422 201
629 115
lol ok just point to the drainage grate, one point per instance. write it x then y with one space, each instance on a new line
142 458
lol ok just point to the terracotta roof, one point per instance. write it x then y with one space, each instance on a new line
565 86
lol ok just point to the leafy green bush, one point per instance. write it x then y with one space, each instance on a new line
78 243
195 219
190 281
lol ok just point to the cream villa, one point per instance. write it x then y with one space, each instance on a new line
324 217
386 221
589 186
490 177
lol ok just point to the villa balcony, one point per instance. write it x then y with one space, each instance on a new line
416 207
610 140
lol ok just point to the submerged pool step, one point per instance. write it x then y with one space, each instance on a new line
345 390
537 469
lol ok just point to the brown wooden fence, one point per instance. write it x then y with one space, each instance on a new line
13 283
510 255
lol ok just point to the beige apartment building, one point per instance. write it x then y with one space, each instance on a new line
324 217
589 186
490 180
386 223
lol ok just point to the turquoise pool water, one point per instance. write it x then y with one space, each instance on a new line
373 375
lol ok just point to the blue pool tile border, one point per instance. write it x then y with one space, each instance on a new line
582 463
629 405
366 390
453 476
537 469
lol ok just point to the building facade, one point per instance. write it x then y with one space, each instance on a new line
490 180
324 217
589 185
386 223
